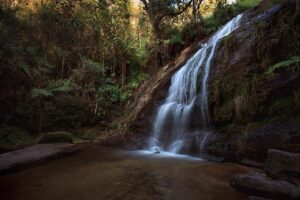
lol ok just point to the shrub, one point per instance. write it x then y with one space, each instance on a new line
65 112
12 137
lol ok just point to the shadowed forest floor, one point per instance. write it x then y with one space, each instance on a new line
100 173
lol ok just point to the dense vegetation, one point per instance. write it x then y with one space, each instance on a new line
66 64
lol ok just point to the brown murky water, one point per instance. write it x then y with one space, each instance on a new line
99 173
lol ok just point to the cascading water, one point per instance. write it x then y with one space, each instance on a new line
186 107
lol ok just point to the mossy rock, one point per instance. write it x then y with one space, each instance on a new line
57 137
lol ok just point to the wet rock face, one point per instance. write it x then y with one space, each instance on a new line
279 182
254 144
264 186
240 88
282 164
251 108
140 112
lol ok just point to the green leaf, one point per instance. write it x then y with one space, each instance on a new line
36 93
292 61
61 85
25 67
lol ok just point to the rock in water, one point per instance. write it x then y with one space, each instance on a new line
19 159
282 163
264 186
156 150
257 198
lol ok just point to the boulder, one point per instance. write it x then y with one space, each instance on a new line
254 144
282 163
264 186
57 137
257 198
296 193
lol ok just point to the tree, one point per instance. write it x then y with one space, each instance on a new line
196 6
297 13
157 10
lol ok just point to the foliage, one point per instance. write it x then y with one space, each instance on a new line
67 64
224 12
65 112
246 4
10 137
35 93
293 61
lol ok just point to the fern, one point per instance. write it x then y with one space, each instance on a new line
61 85
25 67
292 61
97 67
36 93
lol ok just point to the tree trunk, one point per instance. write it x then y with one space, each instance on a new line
297 13
40 115
123 68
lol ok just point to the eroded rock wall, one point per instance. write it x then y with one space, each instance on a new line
255 107
252 107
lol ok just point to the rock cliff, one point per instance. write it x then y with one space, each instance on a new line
254 87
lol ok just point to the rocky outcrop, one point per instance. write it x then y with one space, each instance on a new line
252 146
257 198
262 185
148 96
243 90
281 163
56 137
22 158
253 107
282 182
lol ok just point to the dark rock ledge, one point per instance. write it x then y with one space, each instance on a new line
20 159
281 180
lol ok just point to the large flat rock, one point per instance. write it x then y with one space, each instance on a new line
18 159
282 163
262 185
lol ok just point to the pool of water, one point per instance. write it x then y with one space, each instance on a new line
100 173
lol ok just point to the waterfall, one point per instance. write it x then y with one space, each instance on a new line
184 114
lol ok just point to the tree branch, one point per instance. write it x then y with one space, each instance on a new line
160 18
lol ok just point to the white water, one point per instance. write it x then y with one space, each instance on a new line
186 107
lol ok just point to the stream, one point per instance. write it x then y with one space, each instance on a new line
102 173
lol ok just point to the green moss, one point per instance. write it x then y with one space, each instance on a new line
87 134
224 86
229 39
283 106
231 128
259 37
57 137
246 4
261 123
225 110
297 98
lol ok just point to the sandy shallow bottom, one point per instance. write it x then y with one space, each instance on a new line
100 173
